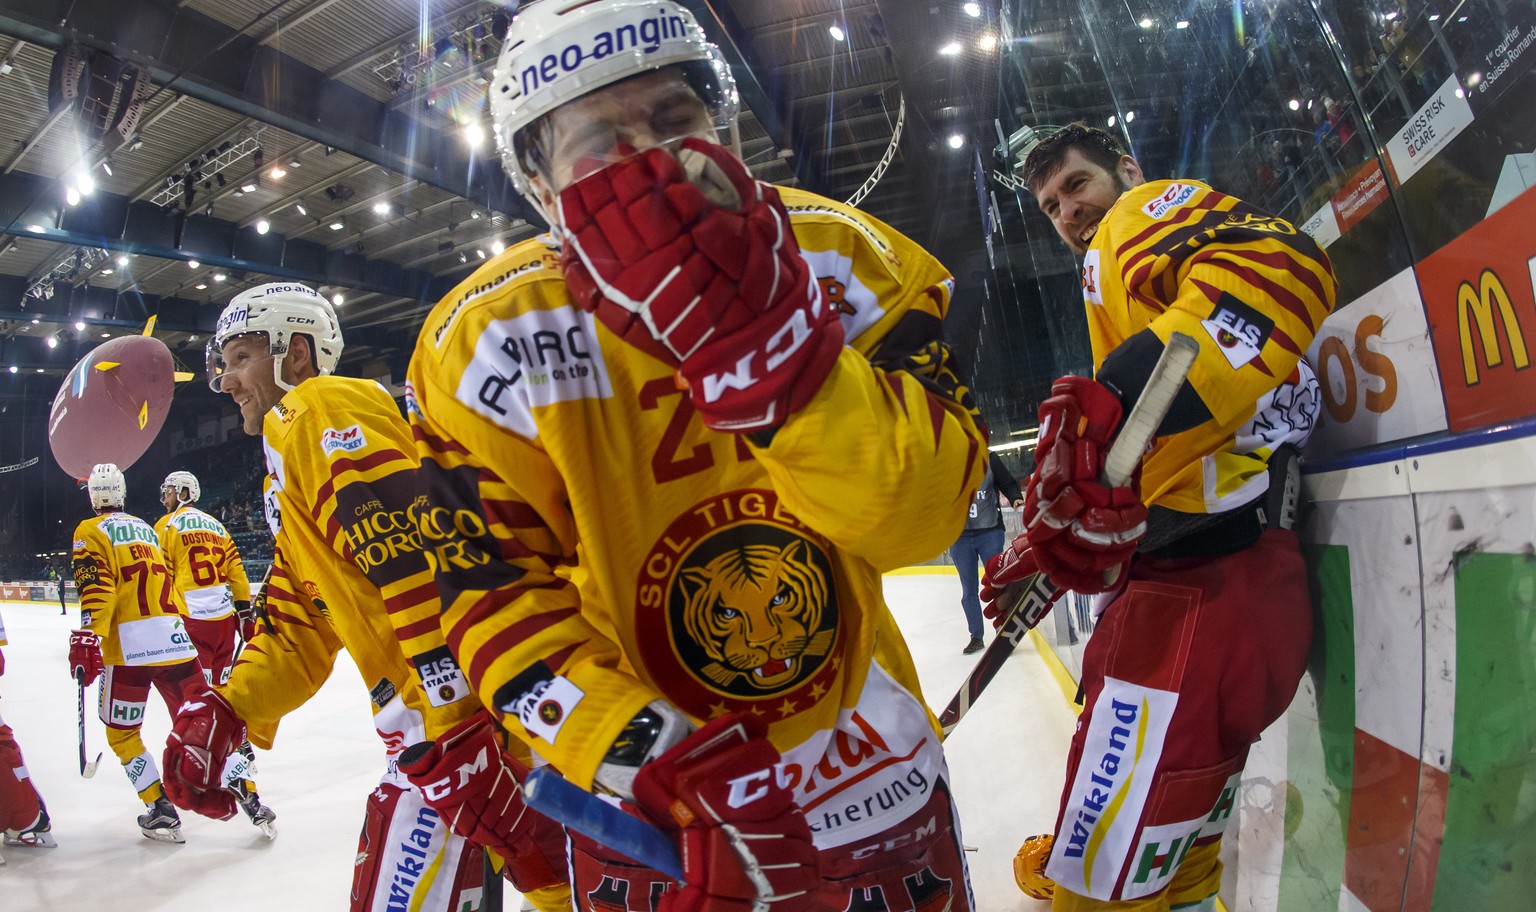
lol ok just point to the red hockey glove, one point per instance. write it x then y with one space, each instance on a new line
84 657
247 616
711 268
1008 573
745 844
477 787
204 733
1077 527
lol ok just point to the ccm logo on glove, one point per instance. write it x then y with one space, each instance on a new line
442 788
797 328
749 788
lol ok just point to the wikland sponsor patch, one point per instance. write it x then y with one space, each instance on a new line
440 676
532 360
1239 330
155 640
342 440
416 854
1109 793
1174 196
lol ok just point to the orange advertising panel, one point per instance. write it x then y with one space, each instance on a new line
1364 192
1479 296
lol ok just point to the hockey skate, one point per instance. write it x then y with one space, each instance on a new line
37 836
261 816
161 822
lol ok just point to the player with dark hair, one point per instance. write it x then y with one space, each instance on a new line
638 442
1206 619
349 572
135 631
23 816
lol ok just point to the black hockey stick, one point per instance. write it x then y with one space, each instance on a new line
491 894
1119 463
87 770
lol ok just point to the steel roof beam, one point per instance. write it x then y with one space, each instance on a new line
205 59
112 222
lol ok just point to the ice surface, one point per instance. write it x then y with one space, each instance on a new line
1006 759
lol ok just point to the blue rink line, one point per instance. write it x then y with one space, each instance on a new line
1442 442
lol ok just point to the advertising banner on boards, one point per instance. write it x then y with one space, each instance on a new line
1480 295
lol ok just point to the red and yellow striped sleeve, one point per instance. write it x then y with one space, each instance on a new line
233 570
95 577
353 466
287 661
894 413
1250 287
500 539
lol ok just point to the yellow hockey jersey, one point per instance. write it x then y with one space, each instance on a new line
1177 256
204 561
127 596
597 547
348 569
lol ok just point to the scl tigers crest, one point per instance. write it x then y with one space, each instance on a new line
756 610
749 602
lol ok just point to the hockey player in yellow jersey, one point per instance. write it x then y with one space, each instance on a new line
134 636
203 558
667 453
1204 633
348 572
208 573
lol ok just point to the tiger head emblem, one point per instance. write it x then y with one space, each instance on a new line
756 610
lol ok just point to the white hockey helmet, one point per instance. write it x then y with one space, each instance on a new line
556 51
282 310
108 488
175 481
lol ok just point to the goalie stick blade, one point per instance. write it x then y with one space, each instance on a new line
549 794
